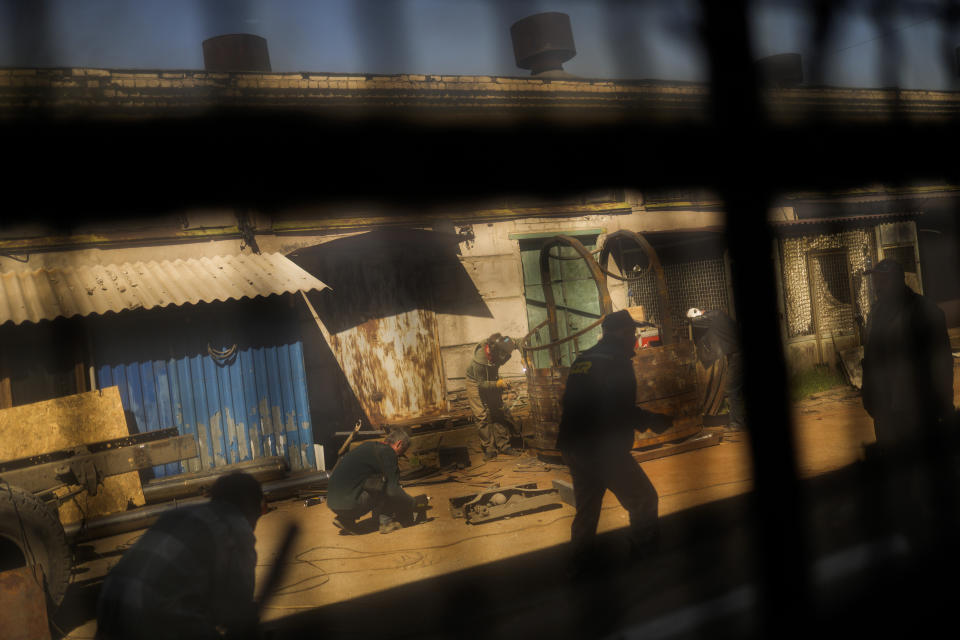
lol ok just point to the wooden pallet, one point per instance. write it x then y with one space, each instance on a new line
703 439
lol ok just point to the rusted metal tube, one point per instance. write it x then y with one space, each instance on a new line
192 484
143 517
125 521
588 328
666 336
606 304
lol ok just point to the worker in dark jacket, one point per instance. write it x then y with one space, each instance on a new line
716 336
191 575
908 390
484 388
596 434
367 479
907 363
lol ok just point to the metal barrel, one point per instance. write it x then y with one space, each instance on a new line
666 383
543 41
544 390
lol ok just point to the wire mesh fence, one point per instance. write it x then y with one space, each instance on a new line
695 283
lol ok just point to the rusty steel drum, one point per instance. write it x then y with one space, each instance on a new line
667 382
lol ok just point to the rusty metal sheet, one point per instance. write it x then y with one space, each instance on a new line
664 372
393 366
23 615
45 294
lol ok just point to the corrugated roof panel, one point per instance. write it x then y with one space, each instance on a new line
45 294
867 217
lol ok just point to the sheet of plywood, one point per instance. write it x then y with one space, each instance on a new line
51 425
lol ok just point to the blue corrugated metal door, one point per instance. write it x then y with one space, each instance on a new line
241 396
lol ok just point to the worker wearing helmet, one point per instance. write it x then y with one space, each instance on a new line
484 388
716 337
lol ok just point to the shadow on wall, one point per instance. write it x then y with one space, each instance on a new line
333 404
385 273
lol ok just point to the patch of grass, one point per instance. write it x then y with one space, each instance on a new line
820 378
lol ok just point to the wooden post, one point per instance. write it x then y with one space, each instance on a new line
6 393
814 306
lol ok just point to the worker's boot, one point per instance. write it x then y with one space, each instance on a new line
644 544
390 526
347 526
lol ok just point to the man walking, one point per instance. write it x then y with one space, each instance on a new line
907 363
485 394
908 391
595 437
367 479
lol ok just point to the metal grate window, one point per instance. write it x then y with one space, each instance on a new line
697 283
830 288
842 292
904 255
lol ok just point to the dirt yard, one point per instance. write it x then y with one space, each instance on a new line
332 576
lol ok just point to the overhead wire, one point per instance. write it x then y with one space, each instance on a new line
886 34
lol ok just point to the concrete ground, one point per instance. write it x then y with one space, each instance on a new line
506 578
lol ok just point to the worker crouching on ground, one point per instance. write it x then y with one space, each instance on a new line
596 435
367 479
191 575
484 388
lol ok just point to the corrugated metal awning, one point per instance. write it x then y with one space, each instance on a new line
45 294
780 226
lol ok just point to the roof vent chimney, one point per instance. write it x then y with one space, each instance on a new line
781 70
542 43
236 52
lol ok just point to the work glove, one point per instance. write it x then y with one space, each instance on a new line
502 384
421 500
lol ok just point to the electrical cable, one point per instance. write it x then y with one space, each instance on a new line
888 33
417 551
363 555
224 355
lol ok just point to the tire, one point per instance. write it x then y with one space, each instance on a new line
35 528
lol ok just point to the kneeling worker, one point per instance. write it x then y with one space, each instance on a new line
368 479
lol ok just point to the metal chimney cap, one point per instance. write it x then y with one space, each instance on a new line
543 42
781 70
236 52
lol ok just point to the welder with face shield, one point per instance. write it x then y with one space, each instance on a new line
485 388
